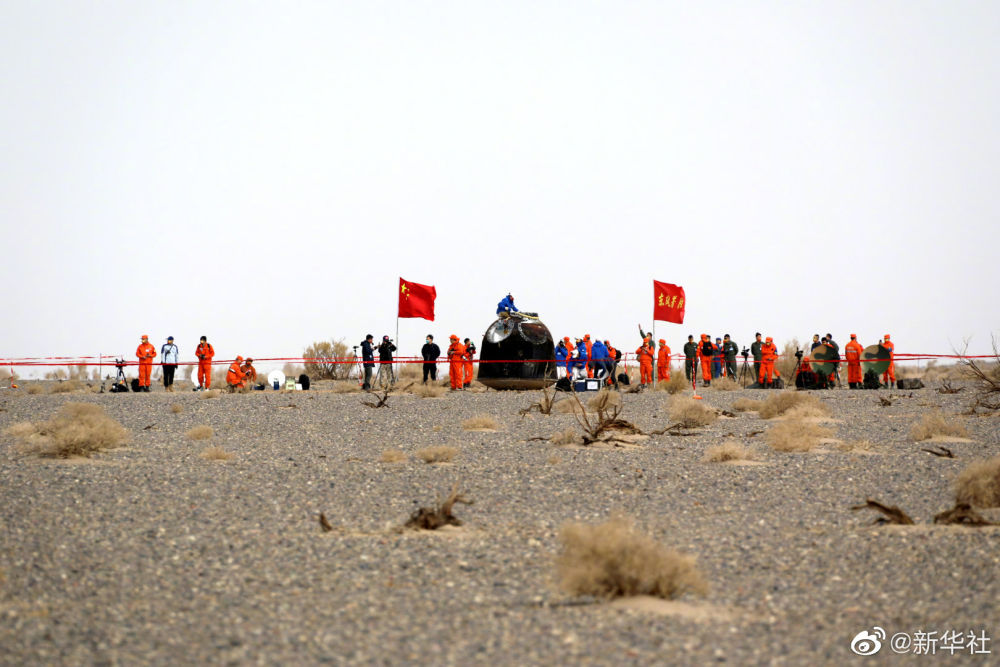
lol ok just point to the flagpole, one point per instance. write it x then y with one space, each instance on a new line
397 338
656 355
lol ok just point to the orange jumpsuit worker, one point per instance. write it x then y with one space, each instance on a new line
146 353
706 350
645 354
612 354
456 354
889 377
234 378
249 372
663 362
205 352
852 352
589 345
470 353
769 352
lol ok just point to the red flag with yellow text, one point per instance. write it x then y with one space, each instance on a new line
668 302
416 300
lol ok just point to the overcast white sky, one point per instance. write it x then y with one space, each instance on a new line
264 172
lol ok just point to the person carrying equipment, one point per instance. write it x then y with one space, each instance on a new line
204 352
852 352
757 354
769 354
614 356
506 306
470 353
249 372
146 353
646 352
705 353
729 351
663 362
234 377
889 377
456 355
690 355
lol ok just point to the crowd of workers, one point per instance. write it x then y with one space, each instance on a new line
241 372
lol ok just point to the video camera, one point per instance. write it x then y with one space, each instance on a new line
745 353
798 354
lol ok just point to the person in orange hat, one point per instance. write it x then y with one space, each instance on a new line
852 352
204 352
645 354
769 354
705 353
235 375
889 377
456 361
146 353
663 362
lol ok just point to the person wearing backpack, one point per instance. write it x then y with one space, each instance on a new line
706 351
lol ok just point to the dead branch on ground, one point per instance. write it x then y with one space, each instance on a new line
425 518
891 513
963 514
943 452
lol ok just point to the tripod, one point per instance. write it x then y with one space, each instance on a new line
744 368
356 366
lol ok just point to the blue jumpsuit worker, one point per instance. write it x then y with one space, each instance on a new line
581 354
562 352
506 305
599 359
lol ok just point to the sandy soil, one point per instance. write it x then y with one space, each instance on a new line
153 554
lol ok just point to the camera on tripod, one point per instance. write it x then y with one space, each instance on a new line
798 354
745 353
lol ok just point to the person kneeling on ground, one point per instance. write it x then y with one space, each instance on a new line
234 377
249 372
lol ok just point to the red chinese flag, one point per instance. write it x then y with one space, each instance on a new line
416 300
668 302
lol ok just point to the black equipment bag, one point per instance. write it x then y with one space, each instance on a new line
304 381
871 380
623 378
563 384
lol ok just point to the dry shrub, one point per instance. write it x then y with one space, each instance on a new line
604 400
724 384
216 454
856 446
676 384
480 423
349 387
566 437
808 410
934 423
57 374
786 362
78 429
65 387
614 559
979 484
200 433
326 360
432 518
393 456
567 406
4 374
783 401
35 388
795 435
412 371
437 454
691 413
177 408
727 451
429 390
747 405
211 393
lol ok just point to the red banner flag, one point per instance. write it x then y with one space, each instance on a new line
416 300
668 302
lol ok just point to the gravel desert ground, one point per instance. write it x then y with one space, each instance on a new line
155 554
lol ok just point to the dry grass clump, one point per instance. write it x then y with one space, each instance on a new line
785 364
724 384
779 403
177 408
934 423
349 387
211 393
808 410
979 484
856 446
78 429
437 454
727 451
65 387
614 559
480 423
567 406
676 384
432 518
200 433
429 390
411 371
691 413
392 456
604 400
35 388
216 454
795 435
744 404
568 436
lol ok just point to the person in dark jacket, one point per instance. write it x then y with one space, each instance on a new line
368 357
835 375
758 356
599 359
430 352
690 352
562 353
506 305
385 350
717 369
729 351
